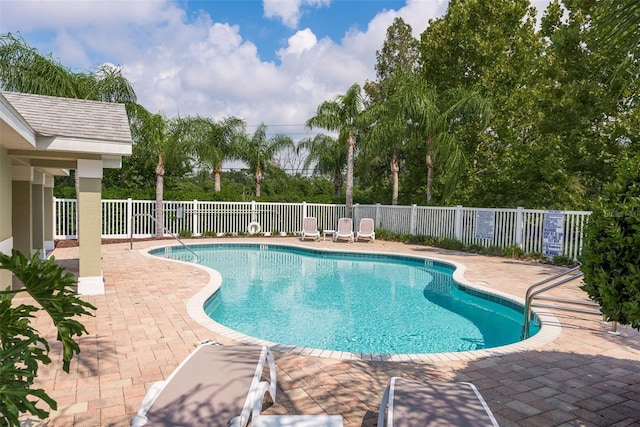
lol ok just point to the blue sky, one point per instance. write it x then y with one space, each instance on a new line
326 19
270 61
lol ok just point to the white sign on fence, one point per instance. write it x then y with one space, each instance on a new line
485 224
553 233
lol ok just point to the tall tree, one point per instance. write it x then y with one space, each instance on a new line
491 46
616 24
397 59
212 142
258 152
388 137
328 156
400 51
343 115
433 117
578 99
24 69
159 138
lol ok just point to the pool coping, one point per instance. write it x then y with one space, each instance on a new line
550 325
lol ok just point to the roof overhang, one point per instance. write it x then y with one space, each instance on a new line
56 154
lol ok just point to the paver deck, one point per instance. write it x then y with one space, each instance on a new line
141 331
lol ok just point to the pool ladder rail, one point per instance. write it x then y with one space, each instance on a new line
552 282
175 236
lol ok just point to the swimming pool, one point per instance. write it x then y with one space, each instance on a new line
349 302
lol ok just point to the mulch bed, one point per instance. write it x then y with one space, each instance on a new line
70 243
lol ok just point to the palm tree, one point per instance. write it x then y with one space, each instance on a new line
389 127
328 157
616 26
258 151
343 115
24 69
431 118
212 142
158 138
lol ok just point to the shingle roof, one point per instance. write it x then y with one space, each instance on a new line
74 118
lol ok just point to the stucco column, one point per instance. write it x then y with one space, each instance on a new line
21 210
90 280
37 213
48 213
6 233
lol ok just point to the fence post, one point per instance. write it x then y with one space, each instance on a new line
458 223
520 227
253 211
377 214
196 220
413 219
54 218
304 210
129 217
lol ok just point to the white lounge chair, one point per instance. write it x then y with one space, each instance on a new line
215 385
366 230
413 403
345 230
310 228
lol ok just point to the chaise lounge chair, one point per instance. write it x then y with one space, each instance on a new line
215 385
310 228
366 230
413 403
345 230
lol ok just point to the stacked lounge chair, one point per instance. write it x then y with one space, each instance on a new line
411 403
214 386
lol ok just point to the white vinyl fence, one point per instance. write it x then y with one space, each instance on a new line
547 232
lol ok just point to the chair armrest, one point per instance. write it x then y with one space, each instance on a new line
262 390
140 418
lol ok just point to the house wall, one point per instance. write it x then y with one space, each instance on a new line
6 240
21 205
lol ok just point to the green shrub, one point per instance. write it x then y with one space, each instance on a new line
475 248
22 349
563 260
416 240
209 233
185 234
513 251
536 256
451 244
610 255
492 251
430 241
386 235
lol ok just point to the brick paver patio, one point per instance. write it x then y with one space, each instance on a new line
141 332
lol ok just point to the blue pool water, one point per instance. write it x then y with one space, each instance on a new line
359 303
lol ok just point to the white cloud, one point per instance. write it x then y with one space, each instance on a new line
287 10
290 11
197 66
301 41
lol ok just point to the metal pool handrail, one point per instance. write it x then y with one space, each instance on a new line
175 236
570 274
